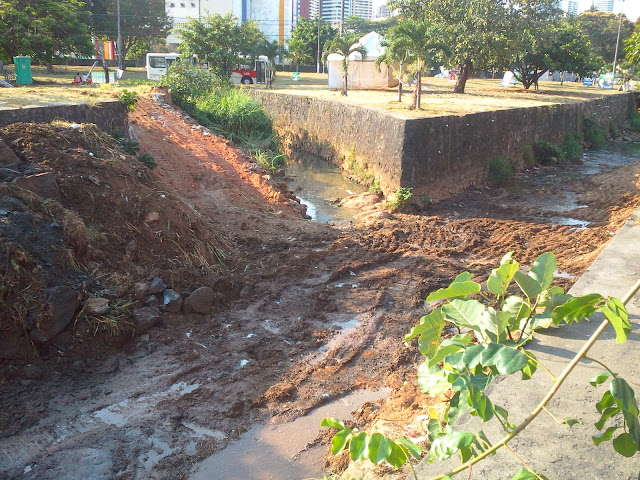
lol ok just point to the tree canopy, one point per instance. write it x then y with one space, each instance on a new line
222 41
345 45
140 21
43 29
602 30
303 45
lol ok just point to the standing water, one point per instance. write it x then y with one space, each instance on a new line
318 183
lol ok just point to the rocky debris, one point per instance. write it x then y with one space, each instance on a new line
361 200
42 184
171 301
140 289
144 318
153 302
152 217
157 286
62 303
200 301
7 156
8 174
97 306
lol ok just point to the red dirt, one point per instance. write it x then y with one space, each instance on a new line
286 283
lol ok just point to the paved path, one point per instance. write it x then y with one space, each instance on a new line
557 451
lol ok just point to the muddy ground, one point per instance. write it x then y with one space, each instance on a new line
136 405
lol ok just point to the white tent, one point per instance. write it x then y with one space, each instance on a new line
363 73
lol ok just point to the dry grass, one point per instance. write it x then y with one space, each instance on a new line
438 98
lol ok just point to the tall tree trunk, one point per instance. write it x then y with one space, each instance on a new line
344 85
419 89
562 78
399 89
105 67
461 81
49 68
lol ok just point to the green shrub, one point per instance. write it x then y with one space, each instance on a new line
234 114
187 83
593 134
399 198
148 160
613 130
129 99
375 187
634 121
500 170
546 153
572 148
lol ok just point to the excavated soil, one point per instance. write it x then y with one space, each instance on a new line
136 405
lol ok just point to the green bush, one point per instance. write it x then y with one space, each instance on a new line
234 114
572 148
129 99
399 198
500 170
546 153
187 83
594 136
634 121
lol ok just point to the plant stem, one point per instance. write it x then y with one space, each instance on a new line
540 364
553 416
521 460
601 364
550 394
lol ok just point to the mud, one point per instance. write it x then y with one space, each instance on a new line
156 405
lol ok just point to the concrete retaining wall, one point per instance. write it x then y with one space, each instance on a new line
437 156
108 115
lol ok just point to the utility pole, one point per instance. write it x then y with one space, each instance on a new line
120 59
615 57
319 20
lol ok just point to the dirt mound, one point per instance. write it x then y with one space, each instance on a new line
78 212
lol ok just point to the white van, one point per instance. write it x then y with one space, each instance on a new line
157 64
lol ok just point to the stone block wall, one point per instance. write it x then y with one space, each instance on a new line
109 115
437 156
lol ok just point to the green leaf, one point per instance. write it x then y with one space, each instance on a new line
412 448
428 331
358 447
576 309
481 403
493 325
518 309
571 421
504 414
379 448
542 270
600 378
618 317
507 360
500 278
604 436
464 313
332 423
624 396
442 352
528 285
606 401
433 381
462 286
606 414
541 320
339 440
457 406
397 457
524 474
445 446
531 367
624 445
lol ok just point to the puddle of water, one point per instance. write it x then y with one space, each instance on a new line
346 328
315 181
266 451
561 274
157 452
572 222
202 432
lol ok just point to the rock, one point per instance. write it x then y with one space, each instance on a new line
97 305
8 174
62 302
152 217
42 184
361 200
153 302
376 215
157 286
200 301
171 301
7 156
145 318
140 288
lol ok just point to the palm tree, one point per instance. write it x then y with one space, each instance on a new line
397 59
422 41
271 50
345 45
299 52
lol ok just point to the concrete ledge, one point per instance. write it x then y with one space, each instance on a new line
555 450
437 156
109 115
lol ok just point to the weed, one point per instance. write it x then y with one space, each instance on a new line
593 134
546 153
634 121
500 170
399 198
527 156
148 160
268 160
375 187
613 130
129 146
114 323
572 148
129 99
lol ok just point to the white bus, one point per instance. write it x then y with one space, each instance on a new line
157 64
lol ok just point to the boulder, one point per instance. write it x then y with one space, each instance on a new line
171 301
153 302
200 301
157 286
42 184
7 156
62 303
97 305
361 200
145 318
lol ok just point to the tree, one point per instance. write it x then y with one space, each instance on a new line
221 41
43 29
479 30
345 46
632 47
140 21
419 41
571 50
271 50
304 38
299 52
602 30
361 26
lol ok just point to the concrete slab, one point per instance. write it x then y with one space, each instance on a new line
555 450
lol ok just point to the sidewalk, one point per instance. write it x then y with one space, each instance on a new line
558 451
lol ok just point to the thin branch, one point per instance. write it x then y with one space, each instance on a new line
521 460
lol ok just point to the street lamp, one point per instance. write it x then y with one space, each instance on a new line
615 57
120 60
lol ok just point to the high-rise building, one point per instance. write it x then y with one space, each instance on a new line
334 11
569 6
383 12
274 17
603 5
